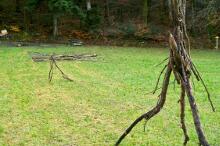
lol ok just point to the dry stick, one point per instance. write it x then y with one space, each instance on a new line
158 80
63 74
182 114
193 68
146 120
190 63
187 38
53 62
206 89
194 109
176 74
186 81
153 111
198 77
187 85
156 87
171 83
81 57
51 71
162 62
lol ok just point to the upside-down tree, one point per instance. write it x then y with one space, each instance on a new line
181 65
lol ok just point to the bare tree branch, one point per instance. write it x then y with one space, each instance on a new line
152 112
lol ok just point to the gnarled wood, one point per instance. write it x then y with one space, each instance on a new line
182 66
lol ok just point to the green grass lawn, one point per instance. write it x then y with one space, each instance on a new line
105 98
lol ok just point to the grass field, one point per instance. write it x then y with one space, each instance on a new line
105 97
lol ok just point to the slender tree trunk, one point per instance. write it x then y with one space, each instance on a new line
145 11
55 25
17 6
170 10
107 11
26 22
193 17
38 23
88 5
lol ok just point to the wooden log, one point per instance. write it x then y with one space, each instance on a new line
73 57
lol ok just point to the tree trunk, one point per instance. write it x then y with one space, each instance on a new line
170 10
55 25
88 5
163 10
145 11
26 22
193 16
17 6
107 11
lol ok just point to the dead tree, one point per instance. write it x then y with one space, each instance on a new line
182 67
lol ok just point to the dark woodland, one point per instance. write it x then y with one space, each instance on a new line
136 22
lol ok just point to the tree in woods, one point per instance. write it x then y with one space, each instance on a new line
145 11
205 17
88 5
90 19
180 63
213 10
106 11
147 18
57 7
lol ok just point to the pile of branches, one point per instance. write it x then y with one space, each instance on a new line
183 68
37 57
